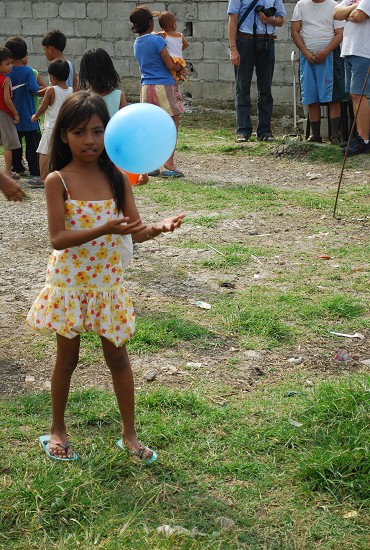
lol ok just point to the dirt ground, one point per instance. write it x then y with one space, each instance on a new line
24 248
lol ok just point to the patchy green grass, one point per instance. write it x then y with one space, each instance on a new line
287 466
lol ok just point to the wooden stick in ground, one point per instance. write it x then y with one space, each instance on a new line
349 142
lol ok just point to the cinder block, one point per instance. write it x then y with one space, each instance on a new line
92 43
122 66
124 48
120 10
131 89
194 51
11 27
217 90
216 50
34 27
75 46
212 30
38 62
209 11
115 29
194 88
44 9
97 10
226 72
184 12
2 9
134 70
206 71
18 9
88 27
65 25
72 10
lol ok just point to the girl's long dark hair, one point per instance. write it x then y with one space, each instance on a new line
97 72
77 109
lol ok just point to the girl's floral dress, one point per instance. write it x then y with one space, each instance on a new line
84 289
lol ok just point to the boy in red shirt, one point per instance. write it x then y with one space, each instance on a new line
8 113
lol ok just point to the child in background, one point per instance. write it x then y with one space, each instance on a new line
24 87
91 214
54 97
318 36
97 74
157 83
176 41
8 113
54 43
40 82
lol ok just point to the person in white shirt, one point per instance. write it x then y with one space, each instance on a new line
356 53
318 36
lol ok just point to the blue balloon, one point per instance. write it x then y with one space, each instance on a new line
140 138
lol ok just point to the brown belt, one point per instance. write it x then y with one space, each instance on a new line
265 36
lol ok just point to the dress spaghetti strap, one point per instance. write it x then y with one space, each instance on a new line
64 184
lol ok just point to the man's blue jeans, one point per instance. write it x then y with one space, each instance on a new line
258 54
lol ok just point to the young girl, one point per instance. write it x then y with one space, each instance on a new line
157 83
53 99
176 41
92 218
97 74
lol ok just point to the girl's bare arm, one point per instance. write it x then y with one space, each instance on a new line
60 237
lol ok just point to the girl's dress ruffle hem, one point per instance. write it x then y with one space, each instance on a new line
69 312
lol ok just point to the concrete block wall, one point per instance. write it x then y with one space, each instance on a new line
105 24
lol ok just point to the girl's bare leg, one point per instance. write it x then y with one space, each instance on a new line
123 384
44 166
170 164
66 362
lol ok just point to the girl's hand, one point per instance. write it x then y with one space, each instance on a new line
123 226
168 224
34 118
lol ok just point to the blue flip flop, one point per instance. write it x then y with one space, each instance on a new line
139 453
45 442
172 174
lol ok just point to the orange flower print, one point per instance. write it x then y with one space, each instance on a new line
55 318
65 270
76 263
86 221
82 278
106 279
102 253
70 209
99 268
96 208
83 252
114 258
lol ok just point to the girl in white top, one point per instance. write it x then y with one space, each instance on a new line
97 74
176 41
54 97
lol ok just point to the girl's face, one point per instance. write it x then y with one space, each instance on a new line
86 140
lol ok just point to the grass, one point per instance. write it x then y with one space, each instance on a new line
287 461
285 469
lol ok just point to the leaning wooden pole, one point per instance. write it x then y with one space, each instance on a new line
349 142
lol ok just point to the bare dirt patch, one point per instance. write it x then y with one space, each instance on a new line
24 248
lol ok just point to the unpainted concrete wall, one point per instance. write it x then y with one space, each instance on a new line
106 25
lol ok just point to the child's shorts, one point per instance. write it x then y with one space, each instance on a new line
356 72
44 145
322 82
167 97
8 133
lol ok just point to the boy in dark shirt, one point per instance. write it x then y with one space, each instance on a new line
25 87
